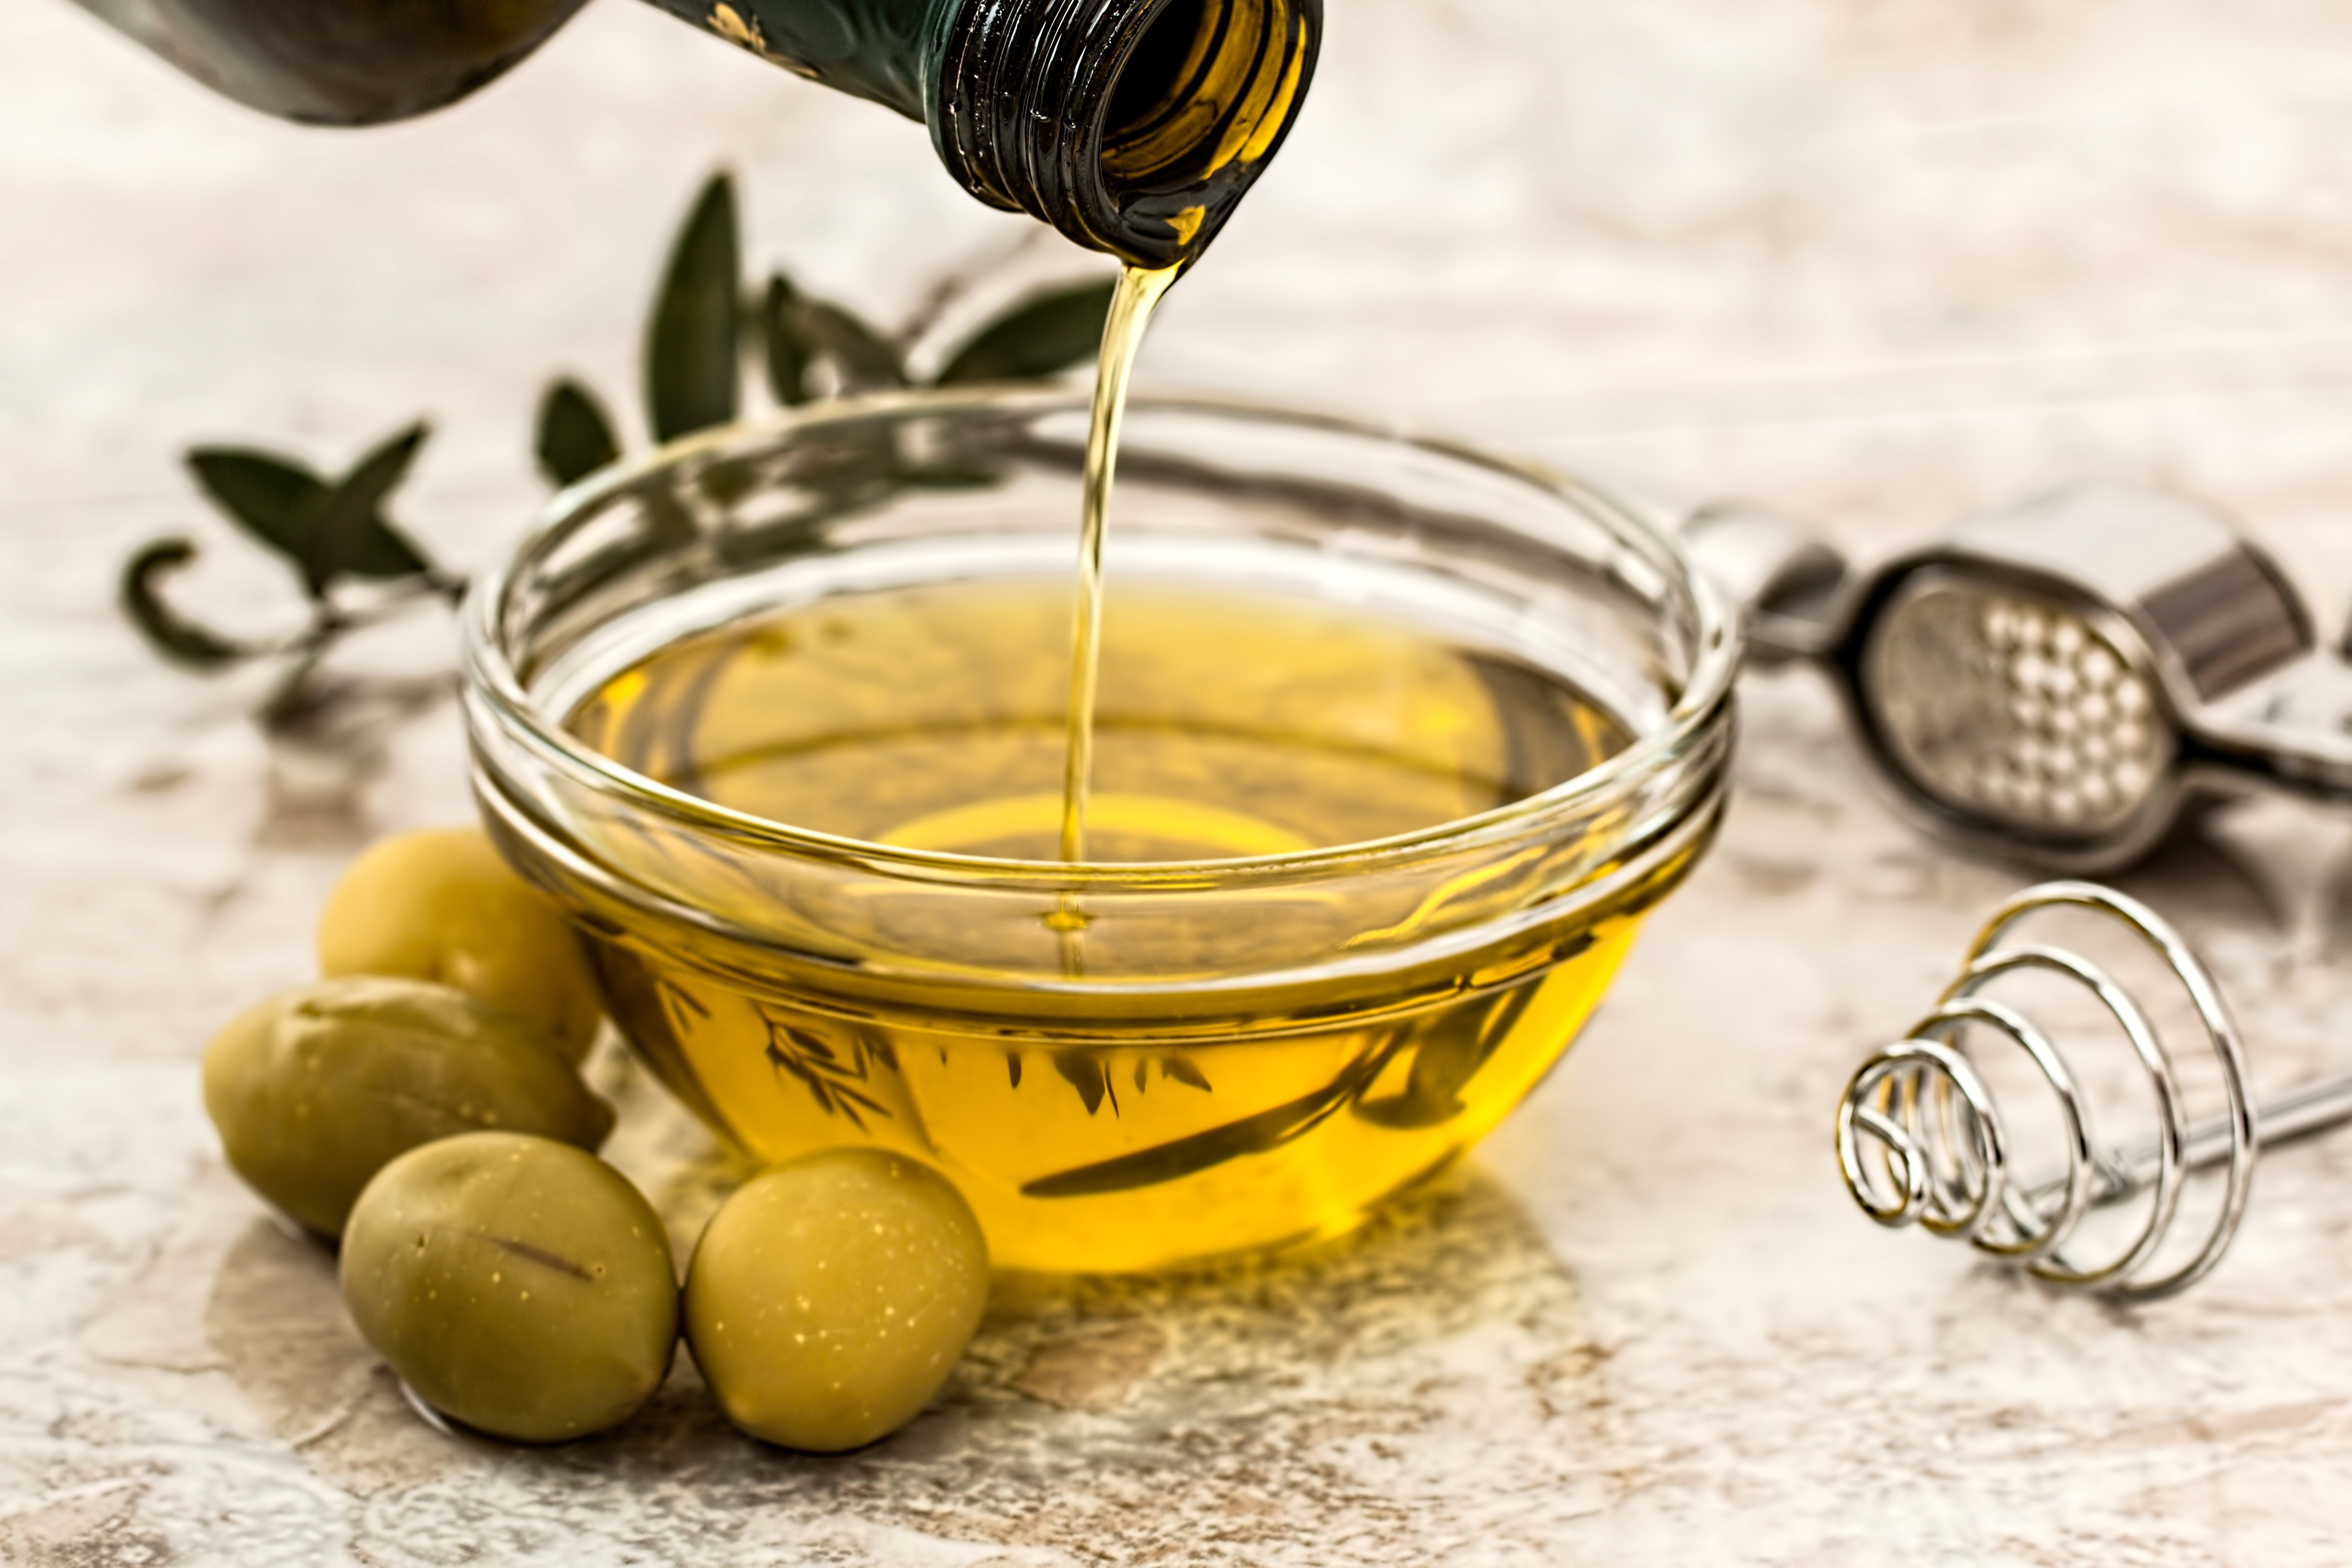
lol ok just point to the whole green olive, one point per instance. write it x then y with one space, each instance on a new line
829 1298
316 1090
439 904
517 1284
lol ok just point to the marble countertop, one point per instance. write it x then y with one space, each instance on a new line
1875 264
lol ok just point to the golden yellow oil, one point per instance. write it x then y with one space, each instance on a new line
1138 296
1227 723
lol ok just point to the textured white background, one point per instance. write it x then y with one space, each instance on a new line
1877 261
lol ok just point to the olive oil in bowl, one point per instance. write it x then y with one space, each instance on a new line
1392 749
1228 722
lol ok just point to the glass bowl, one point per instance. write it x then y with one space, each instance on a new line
1249 1048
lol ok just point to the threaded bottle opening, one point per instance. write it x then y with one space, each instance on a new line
1133 126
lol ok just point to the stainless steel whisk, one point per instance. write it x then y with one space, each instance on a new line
1920 1136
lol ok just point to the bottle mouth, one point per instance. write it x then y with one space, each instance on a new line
1134 127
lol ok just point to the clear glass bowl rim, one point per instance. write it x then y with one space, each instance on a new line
492 681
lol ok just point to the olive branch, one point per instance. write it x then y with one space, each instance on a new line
357 568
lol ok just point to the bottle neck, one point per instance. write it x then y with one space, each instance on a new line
1132 126
867 48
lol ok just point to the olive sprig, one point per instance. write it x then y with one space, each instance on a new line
332 533
706 324
709 332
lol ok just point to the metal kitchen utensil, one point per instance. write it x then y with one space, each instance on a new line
1920 1135
2055 681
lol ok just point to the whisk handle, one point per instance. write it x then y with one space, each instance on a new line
2314 1108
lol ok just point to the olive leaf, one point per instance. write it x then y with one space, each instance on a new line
575 434
835 1084
1041 336
1447 1052
799 331
181 640
702 325
1268 1129
265 495
280 503
656 1015
788 352
861 357
344 531
693 372
325 530
1083 1072
1182 1069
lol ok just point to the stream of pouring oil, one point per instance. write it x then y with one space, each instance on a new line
1138 295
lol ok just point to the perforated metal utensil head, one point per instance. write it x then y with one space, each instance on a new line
2052 681
2048 678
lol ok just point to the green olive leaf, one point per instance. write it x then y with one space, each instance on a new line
267 496
849 464
1082 1071
948 476
181 640
1447 1052
693 372
862 357
1182 1069
788 350
874 1044
835 1084
280 503
345 534
1268 1129
667 522
728 480
658 1015
575 434
1043 335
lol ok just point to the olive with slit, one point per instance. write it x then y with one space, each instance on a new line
440 904
516 1284
316 1090
829 1298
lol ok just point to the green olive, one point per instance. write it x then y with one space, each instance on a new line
441 905
829 1298
316 1090
515 1283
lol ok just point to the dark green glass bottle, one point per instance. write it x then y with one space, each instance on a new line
1133 126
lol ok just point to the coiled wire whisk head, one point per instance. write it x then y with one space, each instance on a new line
1919 1137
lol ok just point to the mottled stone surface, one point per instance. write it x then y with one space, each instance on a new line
1879 263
